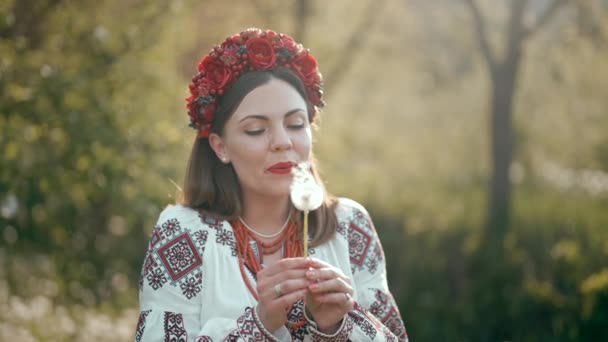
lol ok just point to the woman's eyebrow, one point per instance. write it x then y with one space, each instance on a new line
293 111
265 118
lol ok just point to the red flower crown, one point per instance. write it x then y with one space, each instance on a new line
252 49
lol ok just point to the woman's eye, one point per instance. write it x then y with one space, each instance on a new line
254 131
296 126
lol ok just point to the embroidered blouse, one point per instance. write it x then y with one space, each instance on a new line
191 288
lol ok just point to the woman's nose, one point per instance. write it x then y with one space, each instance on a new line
281 140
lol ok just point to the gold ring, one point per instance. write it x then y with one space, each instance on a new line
277 290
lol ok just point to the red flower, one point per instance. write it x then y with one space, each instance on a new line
217 73
252 49
288 43
236 39
203 87
261 54
190 105
250 33
315 98
230 56
270 34
315 80
208 112
205 131
306 67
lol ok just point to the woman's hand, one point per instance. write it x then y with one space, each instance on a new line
279 286
330 296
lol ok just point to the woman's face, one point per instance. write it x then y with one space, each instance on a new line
266 136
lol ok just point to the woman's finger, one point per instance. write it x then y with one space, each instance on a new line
318 263
290 299
285 288
326 273
287 264
290 274
335 298
331 285
264 278
266 282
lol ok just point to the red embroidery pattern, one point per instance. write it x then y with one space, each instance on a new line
375 258
180 256
156 278
394 323
296 314
362 321
358 244
174 257
192 286
363 245
149 263
342 228
380 306
174 328
226 237
232 337
201 237
210 221
251 329
389 336
171 227
342 336
141 325
203 339
386 311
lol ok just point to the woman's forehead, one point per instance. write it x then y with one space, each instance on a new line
275 98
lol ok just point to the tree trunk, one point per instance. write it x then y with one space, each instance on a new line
504 81
301 14
501 128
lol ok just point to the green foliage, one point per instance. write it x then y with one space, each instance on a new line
549 283
76 131
93 132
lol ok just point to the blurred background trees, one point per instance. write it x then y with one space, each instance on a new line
93 136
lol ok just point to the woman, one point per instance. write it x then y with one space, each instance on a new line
228 264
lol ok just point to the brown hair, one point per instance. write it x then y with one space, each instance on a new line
212 187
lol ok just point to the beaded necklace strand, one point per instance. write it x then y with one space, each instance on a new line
288 239
266 236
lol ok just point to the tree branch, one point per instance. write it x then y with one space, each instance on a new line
301 14
481 31
544 17
353 45
30 17
516 31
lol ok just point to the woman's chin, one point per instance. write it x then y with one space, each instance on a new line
279 190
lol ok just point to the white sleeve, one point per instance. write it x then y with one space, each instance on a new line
375 316
171 284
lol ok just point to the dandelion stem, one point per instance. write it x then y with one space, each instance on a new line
305 235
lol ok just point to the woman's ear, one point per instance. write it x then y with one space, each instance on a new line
218 146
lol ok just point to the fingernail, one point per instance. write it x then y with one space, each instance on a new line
311 274
314 286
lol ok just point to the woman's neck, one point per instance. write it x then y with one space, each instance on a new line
265 215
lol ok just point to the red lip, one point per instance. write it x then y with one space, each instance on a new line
282 168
